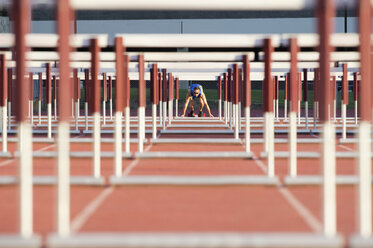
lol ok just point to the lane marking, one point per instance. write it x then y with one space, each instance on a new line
300 208
91 207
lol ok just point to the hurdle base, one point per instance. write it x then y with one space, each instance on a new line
194 180
318 180
184 240
17 241
5 155
194 155
357 241
315 155
52 180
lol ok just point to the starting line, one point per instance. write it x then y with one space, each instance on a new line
201 240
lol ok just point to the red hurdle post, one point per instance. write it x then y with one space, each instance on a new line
21 9
3 96
326 12
294 103
170 93
48 98
299 95
355 93
76 95
142 104
86 96
31 96
111 97
40 87
305 94
315 97
364 221
119 90
235 101
268 108
286 95
10 96
160 97
177 97
104 97
126 102
247 99
334 97
95 106
240 95
153 95
219 96
344 101
164 97
54 82
64 104
225 85
229 90
275 100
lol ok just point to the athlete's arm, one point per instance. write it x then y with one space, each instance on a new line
203 97
186 104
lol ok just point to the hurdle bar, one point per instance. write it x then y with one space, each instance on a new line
363 237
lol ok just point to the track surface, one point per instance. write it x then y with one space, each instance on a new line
183 208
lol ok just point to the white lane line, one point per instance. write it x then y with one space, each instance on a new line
12 159
91 208
345 147
302 210
88 211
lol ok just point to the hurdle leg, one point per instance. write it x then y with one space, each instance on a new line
170 112
236 127
118 144
32 112
314 115
49 109
72 108
335 110
277 114
274 108
141 124
63 179
299 113
230 114
76 116
39 111
355 104
111 109
269 119
55 109
219 106
78 109
293 144
306 113
233 116
9 115
226 112
247 129
25 180
161 113
127 130
96 145
4 129
86 115
365 180
103 112
285 110
239 115
164 115
176 107
344 127
154 115
329 179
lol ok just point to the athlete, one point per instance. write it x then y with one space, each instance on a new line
195 93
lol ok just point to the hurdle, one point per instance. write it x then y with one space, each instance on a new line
111 97
364 237
26 236
10 97
40 87
170 97
104 98
76 96
225 91
155 99
177 97
355 93
275 100
48 94
247 99
344 101
305 95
